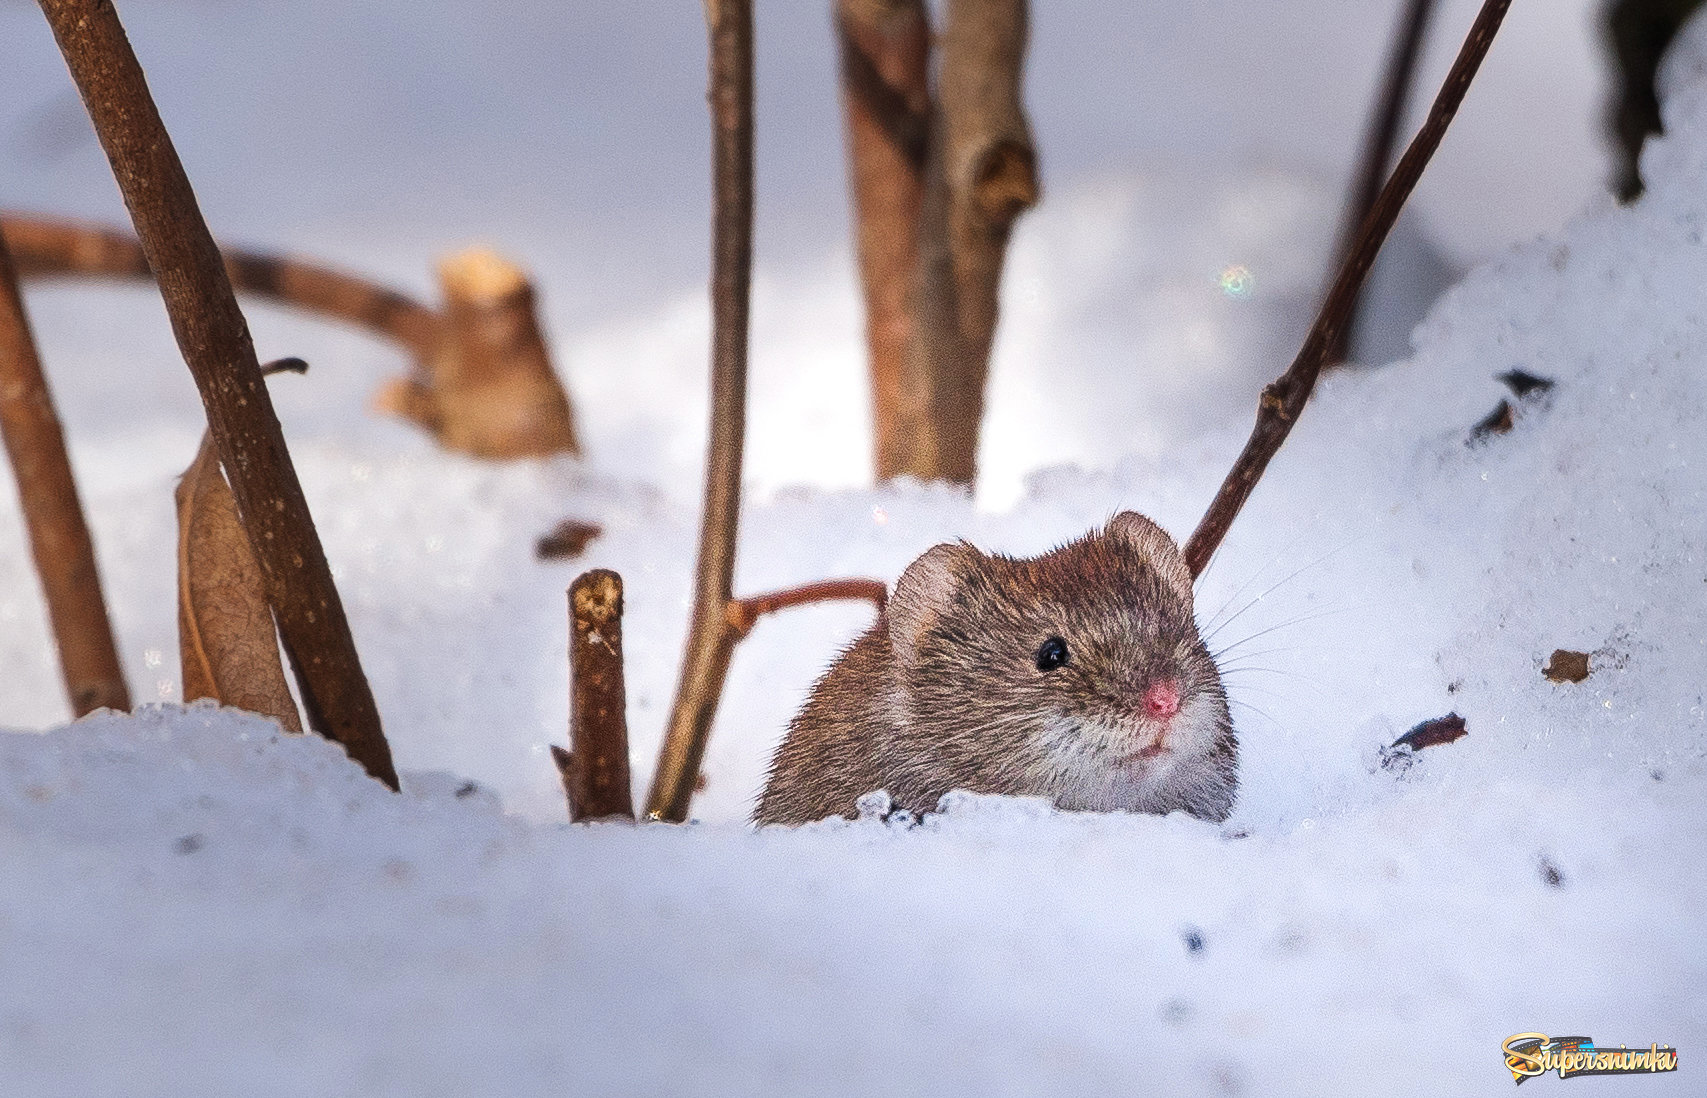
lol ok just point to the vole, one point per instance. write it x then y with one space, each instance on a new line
1078 675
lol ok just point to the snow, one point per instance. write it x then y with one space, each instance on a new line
199 904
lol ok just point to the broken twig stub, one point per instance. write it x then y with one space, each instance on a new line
595 773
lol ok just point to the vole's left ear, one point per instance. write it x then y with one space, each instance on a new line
923 594
1153 544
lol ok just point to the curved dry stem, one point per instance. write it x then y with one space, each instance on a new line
53 514
57 248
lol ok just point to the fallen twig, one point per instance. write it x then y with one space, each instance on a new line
53 514
595 771
1285 398
214 339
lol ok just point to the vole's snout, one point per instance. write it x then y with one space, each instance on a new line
1161 699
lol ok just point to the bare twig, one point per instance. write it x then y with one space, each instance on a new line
50 247
981 174
1378 150
595 774
53 514
885 55
743 614
214 339
1285 398
706 661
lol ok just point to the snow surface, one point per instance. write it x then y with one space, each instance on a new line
198 904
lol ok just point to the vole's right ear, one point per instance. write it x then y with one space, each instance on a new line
924 593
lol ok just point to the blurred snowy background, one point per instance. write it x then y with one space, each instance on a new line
196 906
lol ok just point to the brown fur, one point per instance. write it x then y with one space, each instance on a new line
944 692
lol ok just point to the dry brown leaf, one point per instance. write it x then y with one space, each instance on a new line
1566 666
567 540
226 639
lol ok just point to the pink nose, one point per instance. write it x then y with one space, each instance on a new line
1161 700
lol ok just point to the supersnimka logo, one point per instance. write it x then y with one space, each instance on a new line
1530 1054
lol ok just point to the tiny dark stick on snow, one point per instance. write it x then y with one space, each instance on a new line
1285 398
214 339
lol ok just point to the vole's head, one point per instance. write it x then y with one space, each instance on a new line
1077 675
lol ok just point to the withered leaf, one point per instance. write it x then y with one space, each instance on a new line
226 638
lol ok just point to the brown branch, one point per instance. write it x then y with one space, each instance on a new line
706 660
50 248
483 382
1284 399
595 773
743 614
981 174
214 339
737 620
885 55
53 514
1378 151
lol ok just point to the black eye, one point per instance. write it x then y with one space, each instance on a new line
1052 655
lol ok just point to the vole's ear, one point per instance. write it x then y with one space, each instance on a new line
1153 544
924 593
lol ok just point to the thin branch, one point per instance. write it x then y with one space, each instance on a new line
50 247
885 68
706 660
981 174
1378 150
595 772
214 339
743 614
53 513
1285 398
